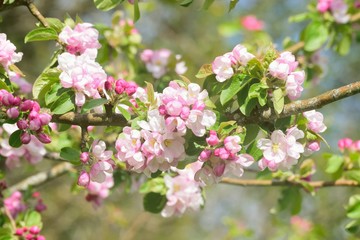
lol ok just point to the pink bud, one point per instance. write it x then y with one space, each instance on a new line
205 155
43 138
33 115
131 88
213 139
19 232
219 169
26 105
162 110
198 106
34 230
344 143
16 101
35 124
22 124
40 237
174 108
356 145
84 157
7 99
36 107
25 138
13 112
29 236
221 153
40 206
185 112
84 179
109 83
44 118
314 146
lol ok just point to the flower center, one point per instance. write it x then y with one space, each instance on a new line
275 148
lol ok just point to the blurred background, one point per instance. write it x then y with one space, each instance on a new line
231 212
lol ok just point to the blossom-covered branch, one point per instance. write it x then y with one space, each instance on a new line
271 183
91 119
304 105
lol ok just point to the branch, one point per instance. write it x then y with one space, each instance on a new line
36 13
271 183
40 178
269 115
90 119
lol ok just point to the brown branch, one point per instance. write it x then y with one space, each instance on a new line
36 13
296 47
40 178
90 119
269 115
272 183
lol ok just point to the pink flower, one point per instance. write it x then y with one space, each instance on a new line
339 11
99 151
323 5
283 65
294 84
8 56
345 143
83 37
251 23
97 192
241 55
156 61
231 144
183 193
222 67
315 121
25 87
100 171
236 167
356 145
198 121
14 204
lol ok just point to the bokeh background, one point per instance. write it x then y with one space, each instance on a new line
231 212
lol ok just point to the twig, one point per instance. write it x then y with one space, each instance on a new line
40 178
271 183
36 13
90 119
84 138
300 106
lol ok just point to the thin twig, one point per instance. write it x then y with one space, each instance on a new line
36 13
272 183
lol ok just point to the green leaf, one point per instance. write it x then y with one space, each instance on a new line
353 175
334 163
205 70
278 100
70 154
92 104
353 227
14 139
41 34
32 218
64 104
353 209
136 10
56 24
4 86
248 106
106 5
125 113
307 168
254 151
43 81
154 202
299 17
315 35
223 125
186 3
291 199
232 4
344 45
252 130
54 93
207 4
156 185
236 85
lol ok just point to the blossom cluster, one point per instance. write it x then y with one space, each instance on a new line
158 62
99 179
316 125
8 56
28 116
15 205
349 144
79 69
159 143
33 152
221 158
338 9
120 86
183 192
226 65
284 68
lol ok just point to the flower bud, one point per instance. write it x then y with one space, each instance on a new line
131 88
84 157
22 124
44 118
25 138
84 179
185 112
40 237
162 110
40 206
356 145
35 124
43 138
204 155
16 101
314 146
19 232
219 169
7 99
213 139
109 83
198 106
344 143
26 105
13 112
34 230
221 153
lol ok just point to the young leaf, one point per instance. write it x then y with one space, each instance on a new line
207 4
106 5
334 163
252 130
4 86
186 3
14 139
232 4
205 70
64 104
136 10
92 104
70 154
254 151
125 113
236 85
50 75
56 24
32 218
278 100
315 35
154 202
41 34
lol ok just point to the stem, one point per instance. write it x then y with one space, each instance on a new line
90 119
272 183
36 13
84 138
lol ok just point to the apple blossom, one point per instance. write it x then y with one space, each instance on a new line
315 121
8 56
251 23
